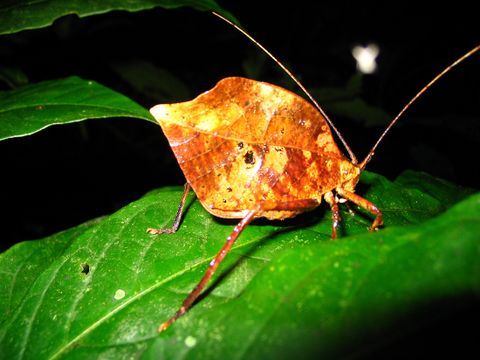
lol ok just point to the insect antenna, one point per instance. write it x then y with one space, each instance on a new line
425 88
352 156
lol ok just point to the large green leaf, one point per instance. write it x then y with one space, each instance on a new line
102 289
18 15
32 108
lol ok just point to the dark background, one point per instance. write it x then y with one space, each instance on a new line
66 175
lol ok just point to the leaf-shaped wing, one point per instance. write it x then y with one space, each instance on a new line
247 143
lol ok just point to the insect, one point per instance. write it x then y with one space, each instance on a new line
250 149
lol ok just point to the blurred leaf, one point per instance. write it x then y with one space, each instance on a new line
31 108
152 82
18 15
285 290
12 76
347 102
254 64
357 109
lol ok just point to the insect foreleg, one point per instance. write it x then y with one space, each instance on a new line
364 203
212 266
332 201
178 215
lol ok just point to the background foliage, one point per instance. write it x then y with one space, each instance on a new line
286 289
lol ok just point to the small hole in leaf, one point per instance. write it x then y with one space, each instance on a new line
85 268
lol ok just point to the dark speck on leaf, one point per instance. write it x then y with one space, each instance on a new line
249 157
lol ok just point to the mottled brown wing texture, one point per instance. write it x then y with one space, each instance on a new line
248 145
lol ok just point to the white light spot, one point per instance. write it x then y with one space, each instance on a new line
190 341
160 112
365 56
119 294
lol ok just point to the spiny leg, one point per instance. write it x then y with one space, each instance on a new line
178 215
332 201
212 266
364 203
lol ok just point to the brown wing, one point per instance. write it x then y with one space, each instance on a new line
247 143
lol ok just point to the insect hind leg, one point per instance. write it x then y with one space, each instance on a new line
212 267
336 218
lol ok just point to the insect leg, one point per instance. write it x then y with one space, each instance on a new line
360 201
178 216
332 201
212 266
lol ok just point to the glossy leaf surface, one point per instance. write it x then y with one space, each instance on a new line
285 288
34 107
25 14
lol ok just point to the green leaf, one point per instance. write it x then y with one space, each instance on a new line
12 76
284 290
151 81
31 108
18 15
